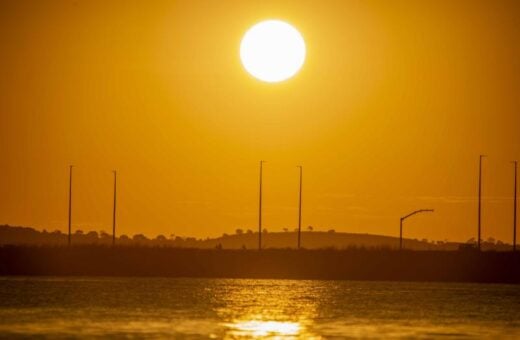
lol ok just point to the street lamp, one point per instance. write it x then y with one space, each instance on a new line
260 208
70 205
114 210
514 207
300 209
479 199
401 224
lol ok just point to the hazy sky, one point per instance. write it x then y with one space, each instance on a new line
394 104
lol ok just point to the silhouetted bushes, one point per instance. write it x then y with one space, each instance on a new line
240 240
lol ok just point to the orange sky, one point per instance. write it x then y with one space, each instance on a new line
394 104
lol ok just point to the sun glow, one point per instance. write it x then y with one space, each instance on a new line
257 328
272 51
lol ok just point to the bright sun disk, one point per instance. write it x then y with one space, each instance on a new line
272 51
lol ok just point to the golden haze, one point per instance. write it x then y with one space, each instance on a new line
394 104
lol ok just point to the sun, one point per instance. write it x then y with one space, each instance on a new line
272 51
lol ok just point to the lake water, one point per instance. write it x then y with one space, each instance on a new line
233 308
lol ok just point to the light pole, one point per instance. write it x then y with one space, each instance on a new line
114 211
401 224
514 207
300 208
260 209
70 204
479 198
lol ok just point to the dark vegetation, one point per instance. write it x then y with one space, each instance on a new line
241 239
352 264
326 255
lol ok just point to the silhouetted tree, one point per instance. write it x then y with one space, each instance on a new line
239 231
140 239
92 237
310 228
104 236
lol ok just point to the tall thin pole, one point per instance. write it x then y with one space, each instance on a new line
401 234
479 199
70 204
300 209
515 205
114 212
260 210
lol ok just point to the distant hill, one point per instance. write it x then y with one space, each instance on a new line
10 235
318 239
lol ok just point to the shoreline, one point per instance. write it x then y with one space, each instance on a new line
321 264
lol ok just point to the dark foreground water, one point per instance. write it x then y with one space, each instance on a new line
222 308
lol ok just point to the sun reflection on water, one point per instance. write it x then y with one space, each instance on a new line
268 309
257 328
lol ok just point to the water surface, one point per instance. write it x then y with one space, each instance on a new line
233 308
